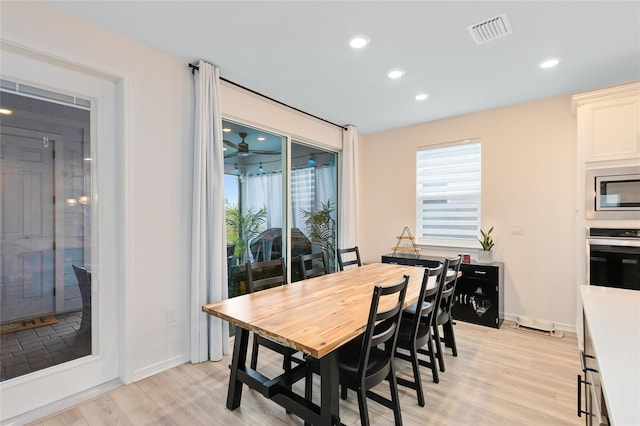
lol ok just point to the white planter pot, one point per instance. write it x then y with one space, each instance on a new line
485 256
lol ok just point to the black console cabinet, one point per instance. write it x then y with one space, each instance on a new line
479 297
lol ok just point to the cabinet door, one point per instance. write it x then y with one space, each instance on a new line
610 129
476 301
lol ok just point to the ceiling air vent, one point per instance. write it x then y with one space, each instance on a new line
490 29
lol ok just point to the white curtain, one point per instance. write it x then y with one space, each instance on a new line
325 184
209 335
264 190
349 191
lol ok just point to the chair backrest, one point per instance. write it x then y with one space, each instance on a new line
423 317
348 257
448 289
82 275
314 265
261 275
382 329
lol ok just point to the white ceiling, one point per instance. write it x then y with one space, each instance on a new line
297 51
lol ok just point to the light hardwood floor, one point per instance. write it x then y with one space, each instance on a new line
500 377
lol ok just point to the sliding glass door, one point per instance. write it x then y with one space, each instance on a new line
280 200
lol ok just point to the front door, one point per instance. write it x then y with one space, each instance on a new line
27 252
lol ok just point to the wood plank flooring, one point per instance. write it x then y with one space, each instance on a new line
500 377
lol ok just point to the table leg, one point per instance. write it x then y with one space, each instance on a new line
329 389
239 361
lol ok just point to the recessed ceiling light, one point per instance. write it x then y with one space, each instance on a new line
395 74
358 42
261 138
5 111
226 130
549 63
421 96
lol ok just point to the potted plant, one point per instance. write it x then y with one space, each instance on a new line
321 227
486 255
242 228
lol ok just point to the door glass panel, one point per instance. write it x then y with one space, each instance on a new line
255 196
313 204
45 224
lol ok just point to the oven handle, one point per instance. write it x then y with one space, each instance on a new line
613 242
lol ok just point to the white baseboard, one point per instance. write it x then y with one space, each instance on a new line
62 404
558 325
73 400
150 370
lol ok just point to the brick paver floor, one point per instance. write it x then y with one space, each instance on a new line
34 349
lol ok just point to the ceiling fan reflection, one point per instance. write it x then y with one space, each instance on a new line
242 149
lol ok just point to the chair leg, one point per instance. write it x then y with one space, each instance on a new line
343 392
254 353
438 347
433 362
416 376
395 398
362 405
450 337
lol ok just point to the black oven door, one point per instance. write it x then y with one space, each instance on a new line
614 263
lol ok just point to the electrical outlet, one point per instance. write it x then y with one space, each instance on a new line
171 315
517 230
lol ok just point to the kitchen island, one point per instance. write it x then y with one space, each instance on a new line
613 317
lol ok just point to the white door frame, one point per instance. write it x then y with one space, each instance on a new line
40 393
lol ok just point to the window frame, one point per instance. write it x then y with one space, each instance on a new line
471 241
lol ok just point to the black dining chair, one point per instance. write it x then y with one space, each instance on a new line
349 257
442 318
367 360
313 265
415 331
260 276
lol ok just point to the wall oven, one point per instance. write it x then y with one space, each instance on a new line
613 193
614 257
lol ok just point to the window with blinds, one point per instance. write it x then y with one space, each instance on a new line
448 194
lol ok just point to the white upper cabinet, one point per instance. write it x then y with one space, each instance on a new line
609 123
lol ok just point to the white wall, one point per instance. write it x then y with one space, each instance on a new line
158 94
528 179
158 156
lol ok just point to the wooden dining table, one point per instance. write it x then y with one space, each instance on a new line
315 316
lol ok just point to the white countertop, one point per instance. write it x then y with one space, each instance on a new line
613 316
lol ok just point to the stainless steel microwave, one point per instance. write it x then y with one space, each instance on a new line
613 193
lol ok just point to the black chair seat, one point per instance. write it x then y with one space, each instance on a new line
411 309
348 363
404 334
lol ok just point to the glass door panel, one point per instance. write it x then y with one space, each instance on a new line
255 199
45 227
314 207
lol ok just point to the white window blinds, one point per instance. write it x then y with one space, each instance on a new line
448 194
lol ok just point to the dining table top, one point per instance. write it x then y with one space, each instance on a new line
317 315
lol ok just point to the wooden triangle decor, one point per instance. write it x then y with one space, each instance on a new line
401 245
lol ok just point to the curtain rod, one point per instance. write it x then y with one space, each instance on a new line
194 68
